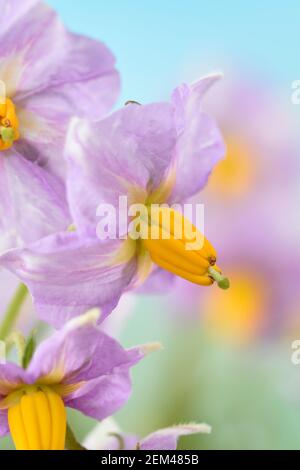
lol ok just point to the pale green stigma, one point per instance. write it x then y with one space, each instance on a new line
7 134
222 281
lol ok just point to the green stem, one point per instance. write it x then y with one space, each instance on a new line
71 441
222 281
13 311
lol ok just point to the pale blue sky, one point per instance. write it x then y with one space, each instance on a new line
159 43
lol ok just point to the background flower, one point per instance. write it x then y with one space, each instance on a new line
107 435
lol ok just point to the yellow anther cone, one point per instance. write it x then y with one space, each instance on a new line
38 421
177 246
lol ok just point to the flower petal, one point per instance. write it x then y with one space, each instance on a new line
158 282
11 376
12 10
67 275
102 397
123 154
79 352
43 125
166 439
200 145
32 202
46 56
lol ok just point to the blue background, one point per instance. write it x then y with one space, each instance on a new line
160 43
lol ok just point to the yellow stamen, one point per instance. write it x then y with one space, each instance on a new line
176 245
37 421
9 124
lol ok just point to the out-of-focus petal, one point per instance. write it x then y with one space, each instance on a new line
166 439
12 11
46 56
43 121
107 435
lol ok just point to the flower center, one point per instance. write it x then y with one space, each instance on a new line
37 418
9 124
177 246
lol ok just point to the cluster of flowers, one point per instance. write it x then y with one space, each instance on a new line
60 157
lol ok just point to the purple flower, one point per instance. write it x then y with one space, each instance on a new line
47 75
78 367
155 153
107 436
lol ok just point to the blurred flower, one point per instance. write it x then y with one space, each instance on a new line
79 367
156 153
107 436
252 215
47 75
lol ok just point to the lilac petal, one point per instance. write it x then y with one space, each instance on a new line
102 397
166 439
11 376
80 352
48 57
68 275
12 10
32 202
123 154
43 121
158 282
200 145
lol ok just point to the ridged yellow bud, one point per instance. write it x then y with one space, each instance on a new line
38 420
